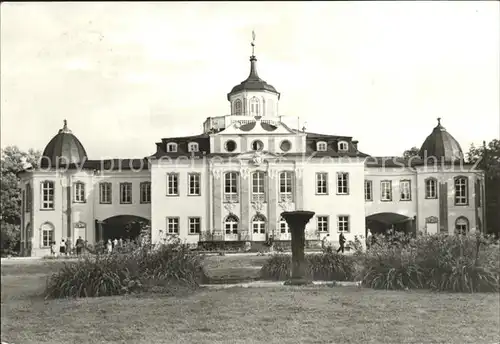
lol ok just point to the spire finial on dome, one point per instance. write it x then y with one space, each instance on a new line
439 120
253 43
65 128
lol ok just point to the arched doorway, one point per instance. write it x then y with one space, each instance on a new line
121 226
380 223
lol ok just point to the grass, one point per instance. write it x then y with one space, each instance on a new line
240 315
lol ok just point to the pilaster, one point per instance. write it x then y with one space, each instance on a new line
443 207
217 200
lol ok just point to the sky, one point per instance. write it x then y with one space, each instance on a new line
125 75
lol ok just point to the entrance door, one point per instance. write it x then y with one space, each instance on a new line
432 228
80 231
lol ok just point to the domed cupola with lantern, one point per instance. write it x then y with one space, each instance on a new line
254 96
441 145
63 149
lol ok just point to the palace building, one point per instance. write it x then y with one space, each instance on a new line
230 183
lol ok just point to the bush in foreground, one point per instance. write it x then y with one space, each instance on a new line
120 273
325 266
439 262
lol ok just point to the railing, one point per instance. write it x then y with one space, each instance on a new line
231 198
258 197
285 197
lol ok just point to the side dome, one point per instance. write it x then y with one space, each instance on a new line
253 82
441 145
63 149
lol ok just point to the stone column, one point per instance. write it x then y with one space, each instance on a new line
297 221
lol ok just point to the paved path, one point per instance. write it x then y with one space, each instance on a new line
274 284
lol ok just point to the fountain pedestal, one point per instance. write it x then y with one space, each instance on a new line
297 221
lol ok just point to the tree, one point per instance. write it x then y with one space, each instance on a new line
487 158
410 153
13 160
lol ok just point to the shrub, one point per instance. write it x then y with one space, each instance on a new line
324 266
135 270
440 262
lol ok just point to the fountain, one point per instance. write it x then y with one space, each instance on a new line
297 221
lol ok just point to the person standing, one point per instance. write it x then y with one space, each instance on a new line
68 246
79 246
341 242
115 243
369 239
62 248
53 251
109 246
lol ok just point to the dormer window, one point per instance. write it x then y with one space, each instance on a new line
237 107
171 147
193 147
343 146
321 146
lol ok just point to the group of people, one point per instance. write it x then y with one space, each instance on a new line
327 243
65 248
113 244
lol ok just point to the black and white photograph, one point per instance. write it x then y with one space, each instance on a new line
250 172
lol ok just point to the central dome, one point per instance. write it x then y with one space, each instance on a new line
63 149
253 82
441 145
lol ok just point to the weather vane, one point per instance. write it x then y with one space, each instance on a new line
253 43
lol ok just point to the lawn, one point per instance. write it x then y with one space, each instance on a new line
243 315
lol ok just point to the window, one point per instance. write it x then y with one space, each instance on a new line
194 184
343 224
258 187
105 193
193 147
29 198
47 230
125 193
79 195
231 187
342 183
386 190
461 191
431 188
231 224
285 145
461 225
368 190
172 225
171 147
145 192
254 107
194 225
322 224
284 228
343 146
230 146
322 183
237 107
321 146
405 190
285 188
47 194
257 145
172 184
259 224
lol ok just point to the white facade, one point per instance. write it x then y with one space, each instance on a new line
231 183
